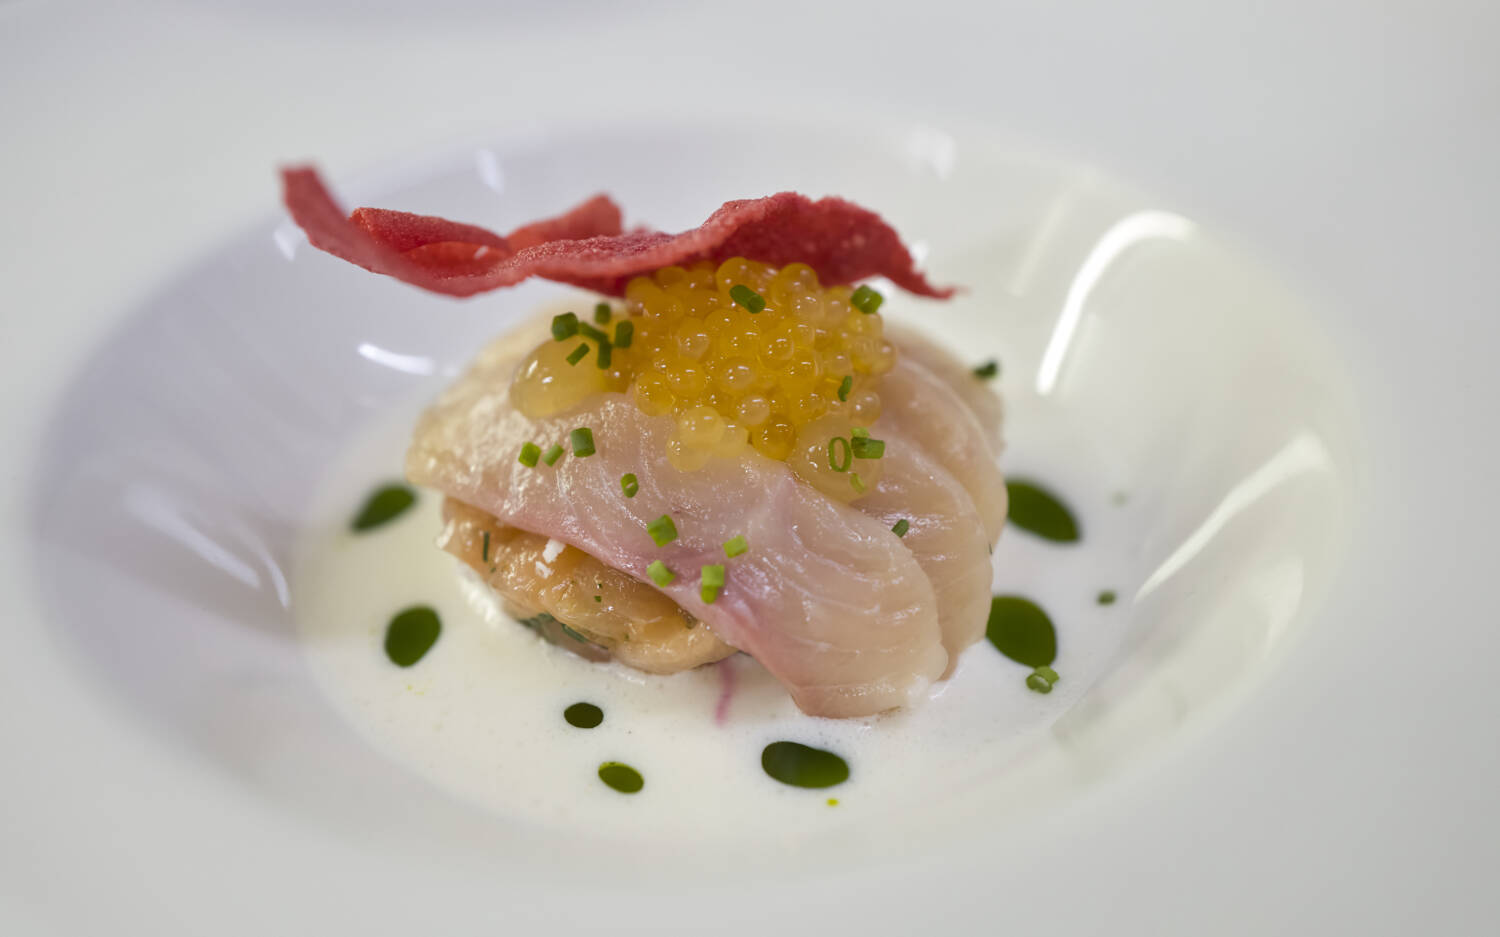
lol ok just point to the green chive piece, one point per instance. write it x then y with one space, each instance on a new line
606 352
1048 674
530 452
582 440
835 461
588 331
629 484
486 554
578 354
989 369
659 573
736 545
624 333
866 300
598 598
901 527
601 313
859 432
1038 683
708 593
846 385
564 326
713 575
866 448
857 483
552 455
747 297
662 530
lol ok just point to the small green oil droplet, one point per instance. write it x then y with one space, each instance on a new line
411 634
583 715
1107 597
833 801
383 506
803 766
621 777
1039 511
1020 630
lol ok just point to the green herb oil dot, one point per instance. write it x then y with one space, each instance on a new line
583 715
621 777
803 766
1107 597
1020 630
1039 511
411 634
383 506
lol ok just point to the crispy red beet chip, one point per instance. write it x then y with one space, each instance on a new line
840 240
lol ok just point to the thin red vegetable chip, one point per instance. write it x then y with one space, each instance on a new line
586 247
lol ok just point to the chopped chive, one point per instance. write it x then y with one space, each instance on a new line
1038 683
588 331
486 555
601 313
859 432
582 440
1047 673
866 448
866 300
747 297
659 573
713 575
834 462
530 452
606 352
708 593
552 455
736 545
662 530
857 483
598 598
629 484
901 527
846 385
989 369
624 332
578 354
564 326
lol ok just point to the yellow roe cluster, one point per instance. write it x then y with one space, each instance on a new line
731 374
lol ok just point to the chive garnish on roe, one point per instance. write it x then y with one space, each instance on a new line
601 313
858 432
659 573
662 530
624 333
747 297
989 369
839 454
857 483
866 300
552 455
846 385
606 352
578 354
736 545
629 484
564 326
901 527
588 331
530 452
582 440
866 448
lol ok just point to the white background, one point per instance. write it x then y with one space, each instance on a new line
1352 145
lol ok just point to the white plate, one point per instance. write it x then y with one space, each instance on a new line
181 768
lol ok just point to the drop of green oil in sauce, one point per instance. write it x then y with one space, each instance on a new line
383 506
1107 597
1020 630
803 766
621 777
411 634
1039 511
583 715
